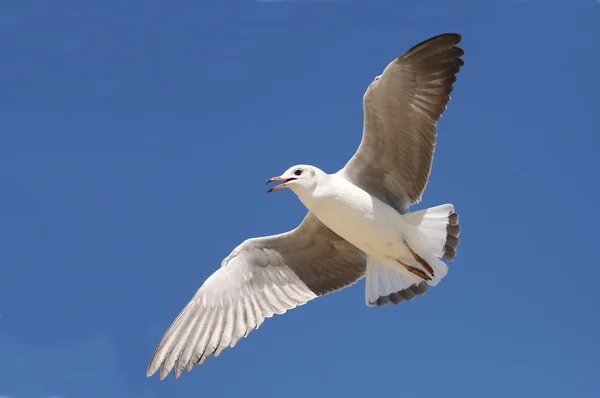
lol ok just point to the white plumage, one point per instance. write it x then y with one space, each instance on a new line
363 209
377 229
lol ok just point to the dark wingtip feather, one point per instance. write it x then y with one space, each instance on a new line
447 39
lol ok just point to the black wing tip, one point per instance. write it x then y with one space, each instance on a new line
447 38
456 37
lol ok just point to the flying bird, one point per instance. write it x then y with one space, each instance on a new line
358 222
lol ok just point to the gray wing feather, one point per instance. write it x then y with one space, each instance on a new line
401 110
260 278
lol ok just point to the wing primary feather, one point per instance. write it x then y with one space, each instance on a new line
260 277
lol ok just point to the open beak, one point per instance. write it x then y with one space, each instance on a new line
282 185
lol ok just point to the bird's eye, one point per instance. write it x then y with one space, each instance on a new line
298 172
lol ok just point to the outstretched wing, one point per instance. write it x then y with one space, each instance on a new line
261 277
401 110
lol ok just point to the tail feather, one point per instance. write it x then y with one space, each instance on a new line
452 241
404 279
384 284
440 225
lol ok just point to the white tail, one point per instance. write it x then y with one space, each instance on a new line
384 284
437 238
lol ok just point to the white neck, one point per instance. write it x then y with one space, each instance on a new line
308 196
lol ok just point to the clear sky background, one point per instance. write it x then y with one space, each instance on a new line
135 138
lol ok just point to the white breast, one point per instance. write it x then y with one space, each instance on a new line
355 215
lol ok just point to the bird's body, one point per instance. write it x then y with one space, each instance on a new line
400 252
363 209
357 216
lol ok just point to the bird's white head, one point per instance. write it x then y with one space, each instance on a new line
299 178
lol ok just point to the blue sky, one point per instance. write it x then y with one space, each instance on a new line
135 138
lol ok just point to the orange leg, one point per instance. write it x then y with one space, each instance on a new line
415 271
420 260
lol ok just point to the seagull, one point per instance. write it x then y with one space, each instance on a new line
358 222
